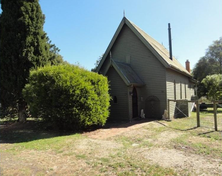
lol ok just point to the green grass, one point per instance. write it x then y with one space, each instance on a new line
55 143
203 140
8 120
125 164
203 147
122 159
81 156
206 121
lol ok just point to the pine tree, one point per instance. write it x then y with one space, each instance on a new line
23 47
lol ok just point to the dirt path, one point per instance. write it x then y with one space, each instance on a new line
102 143
169 158
115 131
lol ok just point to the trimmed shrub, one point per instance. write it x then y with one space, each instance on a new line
68 96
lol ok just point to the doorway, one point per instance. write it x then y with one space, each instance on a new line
135 103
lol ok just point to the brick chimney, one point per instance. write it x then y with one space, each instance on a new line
187 66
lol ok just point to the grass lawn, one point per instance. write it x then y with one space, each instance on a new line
148 148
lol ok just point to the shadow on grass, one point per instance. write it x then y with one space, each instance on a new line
188 129
193 128
208 132
16 132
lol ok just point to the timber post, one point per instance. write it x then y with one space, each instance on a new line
215 116
198 113
168 109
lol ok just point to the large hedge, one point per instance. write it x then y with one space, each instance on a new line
68 96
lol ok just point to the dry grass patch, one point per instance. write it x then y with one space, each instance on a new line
198 145
148 148
182 162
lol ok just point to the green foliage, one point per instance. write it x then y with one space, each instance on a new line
215 52
97 63
24 45
54 58
68 96
210 64
213 85
205 66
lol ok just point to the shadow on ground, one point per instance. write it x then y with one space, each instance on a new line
126 124
209 130
188 129
16 132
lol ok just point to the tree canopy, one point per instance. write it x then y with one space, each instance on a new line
97 63
215 52
209 64
24 46
54 58
213 85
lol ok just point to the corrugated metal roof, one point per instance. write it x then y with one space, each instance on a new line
127 73
161 50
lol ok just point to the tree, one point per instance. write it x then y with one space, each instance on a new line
213 85
24 46
97 63
205 66
55 58
210 64
215 52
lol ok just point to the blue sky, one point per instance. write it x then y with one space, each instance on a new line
82 29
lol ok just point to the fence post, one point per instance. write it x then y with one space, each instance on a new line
198 114
215 116
168 109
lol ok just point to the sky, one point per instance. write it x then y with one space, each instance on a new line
83 29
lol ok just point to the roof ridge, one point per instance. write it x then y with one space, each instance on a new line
153 45
160 49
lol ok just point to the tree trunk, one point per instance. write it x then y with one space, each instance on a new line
21 111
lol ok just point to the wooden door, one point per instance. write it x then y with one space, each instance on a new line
152 108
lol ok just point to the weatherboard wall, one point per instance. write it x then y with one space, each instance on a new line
119 109
161 83
178 88
128 48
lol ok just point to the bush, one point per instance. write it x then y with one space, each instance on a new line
68 96
213 85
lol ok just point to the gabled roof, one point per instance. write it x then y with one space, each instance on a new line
156 48
126 72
